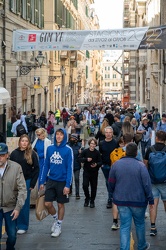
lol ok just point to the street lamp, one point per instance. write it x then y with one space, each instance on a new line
24 70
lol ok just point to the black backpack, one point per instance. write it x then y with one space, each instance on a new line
20 130
29 123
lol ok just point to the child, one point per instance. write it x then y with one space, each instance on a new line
92 129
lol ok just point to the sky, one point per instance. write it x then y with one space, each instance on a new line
109 13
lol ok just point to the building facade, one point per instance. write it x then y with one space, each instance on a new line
64 77
146 68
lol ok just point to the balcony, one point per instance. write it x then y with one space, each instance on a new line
64 55
73 56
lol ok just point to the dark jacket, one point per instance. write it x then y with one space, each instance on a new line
29 171
96 158
75 147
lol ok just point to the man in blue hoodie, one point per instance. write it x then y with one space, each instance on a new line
57 173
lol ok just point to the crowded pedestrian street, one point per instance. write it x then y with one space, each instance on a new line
84 228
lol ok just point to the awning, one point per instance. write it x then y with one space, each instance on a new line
4 96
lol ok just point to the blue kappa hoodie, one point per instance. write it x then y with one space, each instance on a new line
58 163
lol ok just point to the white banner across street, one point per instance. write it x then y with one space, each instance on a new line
115 39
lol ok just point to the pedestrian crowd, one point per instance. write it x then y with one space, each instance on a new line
127 145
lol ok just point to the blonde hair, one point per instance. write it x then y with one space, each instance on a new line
28 150
41 131
104 124
127 119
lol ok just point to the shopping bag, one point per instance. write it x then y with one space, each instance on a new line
41 210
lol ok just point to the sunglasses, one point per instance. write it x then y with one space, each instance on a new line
38 134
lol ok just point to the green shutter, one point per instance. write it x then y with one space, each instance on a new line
86 71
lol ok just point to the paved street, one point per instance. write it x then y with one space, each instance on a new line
84 228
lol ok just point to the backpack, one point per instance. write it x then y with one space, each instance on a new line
29 123
20 130
117 154
51 131
157 165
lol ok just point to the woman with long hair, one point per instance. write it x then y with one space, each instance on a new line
40 146
100 136
84 130
127 128
28 159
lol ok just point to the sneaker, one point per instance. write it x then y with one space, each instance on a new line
53 226
57 231
86 203
153 232
77 197
147 246
115 226
92 204
109 204
20 231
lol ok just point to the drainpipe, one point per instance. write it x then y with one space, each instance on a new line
3 70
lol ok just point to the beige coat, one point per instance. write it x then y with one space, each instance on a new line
12 188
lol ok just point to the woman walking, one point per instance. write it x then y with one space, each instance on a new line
28 159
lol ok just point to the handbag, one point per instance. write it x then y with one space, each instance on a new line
138 138
41 210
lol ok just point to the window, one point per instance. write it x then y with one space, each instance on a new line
116 84
30 10
109 68
114 75
113 84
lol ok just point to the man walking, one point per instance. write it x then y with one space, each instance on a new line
106 147
57 173
130 184
12 195
155 160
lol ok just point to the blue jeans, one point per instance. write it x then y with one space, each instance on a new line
126 215
106 169
23 218
10 227
144 146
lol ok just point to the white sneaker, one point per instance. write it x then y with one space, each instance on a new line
53 226
21 231
57 231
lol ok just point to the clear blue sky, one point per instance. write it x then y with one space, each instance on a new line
109 13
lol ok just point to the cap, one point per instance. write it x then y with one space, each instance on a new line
144 118
3 149
74 136
164 115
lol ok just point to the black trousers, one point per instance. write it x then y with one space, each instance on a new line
92 179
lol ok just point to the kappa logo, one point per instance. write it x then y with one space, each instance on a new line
56 158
